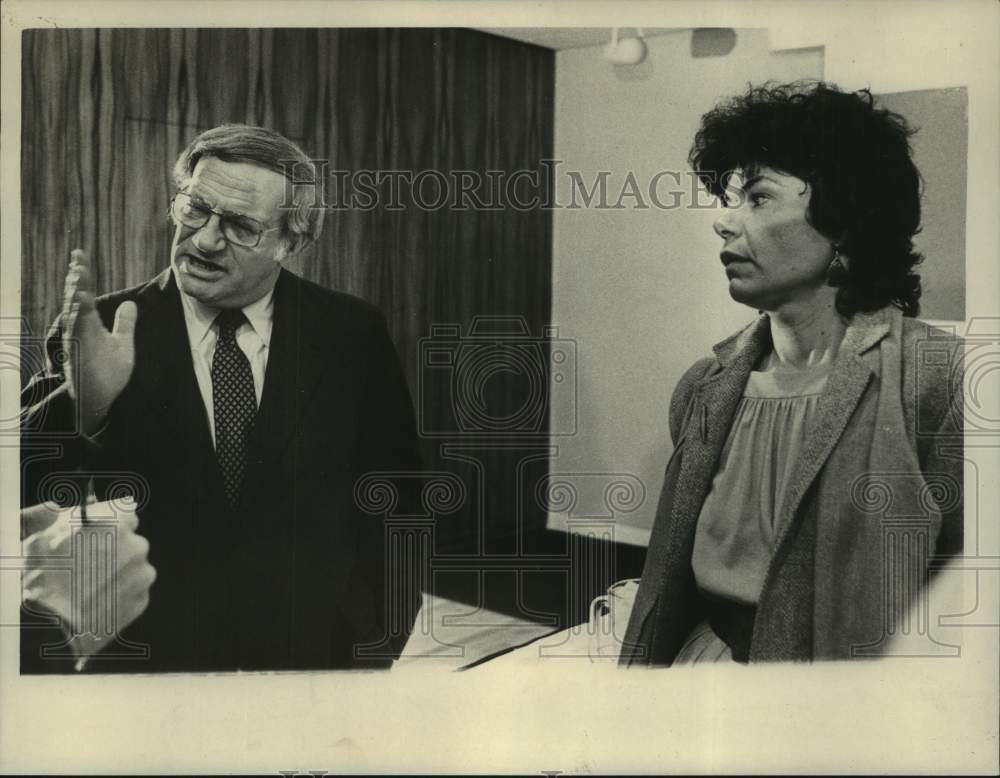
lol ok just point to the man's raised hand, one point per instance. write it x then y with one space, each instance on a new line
99 362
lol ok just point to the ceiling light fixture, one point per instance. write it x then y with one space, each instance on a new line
627 50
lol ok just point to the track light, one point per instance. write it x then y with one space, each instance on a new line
627 50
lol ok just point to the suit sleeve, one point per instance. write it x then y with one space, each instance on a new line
390 445
52 452
390 439
53 447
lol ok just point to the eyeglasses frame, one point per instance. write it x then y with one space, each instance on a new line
222 215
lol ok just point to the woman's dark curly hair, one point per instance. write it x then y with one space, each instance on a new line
865 189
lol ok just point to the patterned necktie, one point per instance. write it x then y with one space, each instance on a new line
234 402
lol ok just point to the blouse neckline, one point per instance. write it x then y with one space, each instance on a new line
784 383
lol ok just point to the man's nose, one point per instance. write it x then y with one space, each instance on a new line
727 225
209 237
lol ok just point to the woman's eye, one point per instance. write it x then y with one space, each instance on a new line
757 198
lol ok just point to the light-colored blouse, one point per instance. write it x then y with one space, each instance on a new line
738 525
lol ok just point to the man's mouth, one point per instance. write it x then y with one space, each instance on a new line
205 265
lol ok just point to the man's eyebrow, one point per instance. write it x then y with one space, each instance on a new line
232 214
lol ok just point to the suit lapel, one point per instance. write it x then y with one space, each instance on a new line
168 376
168 369
294 365
301 352
299 355
309 351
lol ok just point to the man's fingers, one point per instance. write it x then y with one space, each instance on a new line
69 288
135 572
79 266
129 521
125 318
38 517
83 295
78 294
121 510
79 258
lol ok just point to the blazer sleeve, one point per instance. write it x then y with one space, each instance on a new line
638 646
943 465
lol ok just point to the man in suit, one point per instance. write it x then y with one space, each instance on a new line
244 403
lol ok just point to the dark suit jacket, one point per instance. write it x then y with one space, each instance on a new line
296 578
876 491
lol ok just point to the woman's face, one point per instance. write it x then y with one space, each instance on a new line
771 254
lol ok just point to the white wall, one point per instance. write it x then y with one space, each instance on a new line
641 291
929 46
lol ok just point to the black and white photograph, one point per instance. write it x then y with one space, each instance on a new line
456 387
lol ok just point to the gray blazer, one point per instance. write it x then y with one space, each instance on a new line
875 504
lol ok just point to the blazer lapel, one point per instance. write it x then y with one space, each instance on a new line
849 377
715 401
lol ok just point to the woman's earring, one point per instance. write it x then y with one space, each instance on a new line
837 270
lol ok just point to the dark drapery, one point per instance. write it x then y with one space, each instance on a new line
105 113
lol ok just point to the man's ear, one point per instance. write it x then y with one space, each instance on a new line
293 243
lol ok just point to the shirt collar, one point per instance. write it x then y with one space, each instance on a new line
199 317
260 314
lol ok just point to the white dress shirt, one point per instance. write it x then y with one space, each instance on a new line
253 338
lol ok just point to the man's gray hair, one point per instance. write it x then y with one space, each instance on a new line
271 150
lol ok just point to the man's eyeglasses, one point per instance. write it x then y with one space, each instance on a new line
237 229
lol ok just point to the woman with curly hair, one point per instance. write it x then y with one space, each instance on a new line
816 478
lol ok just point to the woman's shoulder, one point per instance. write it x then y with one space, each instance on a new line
918 331
701 369
709 365
694 375
932 352
933 372
681 398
